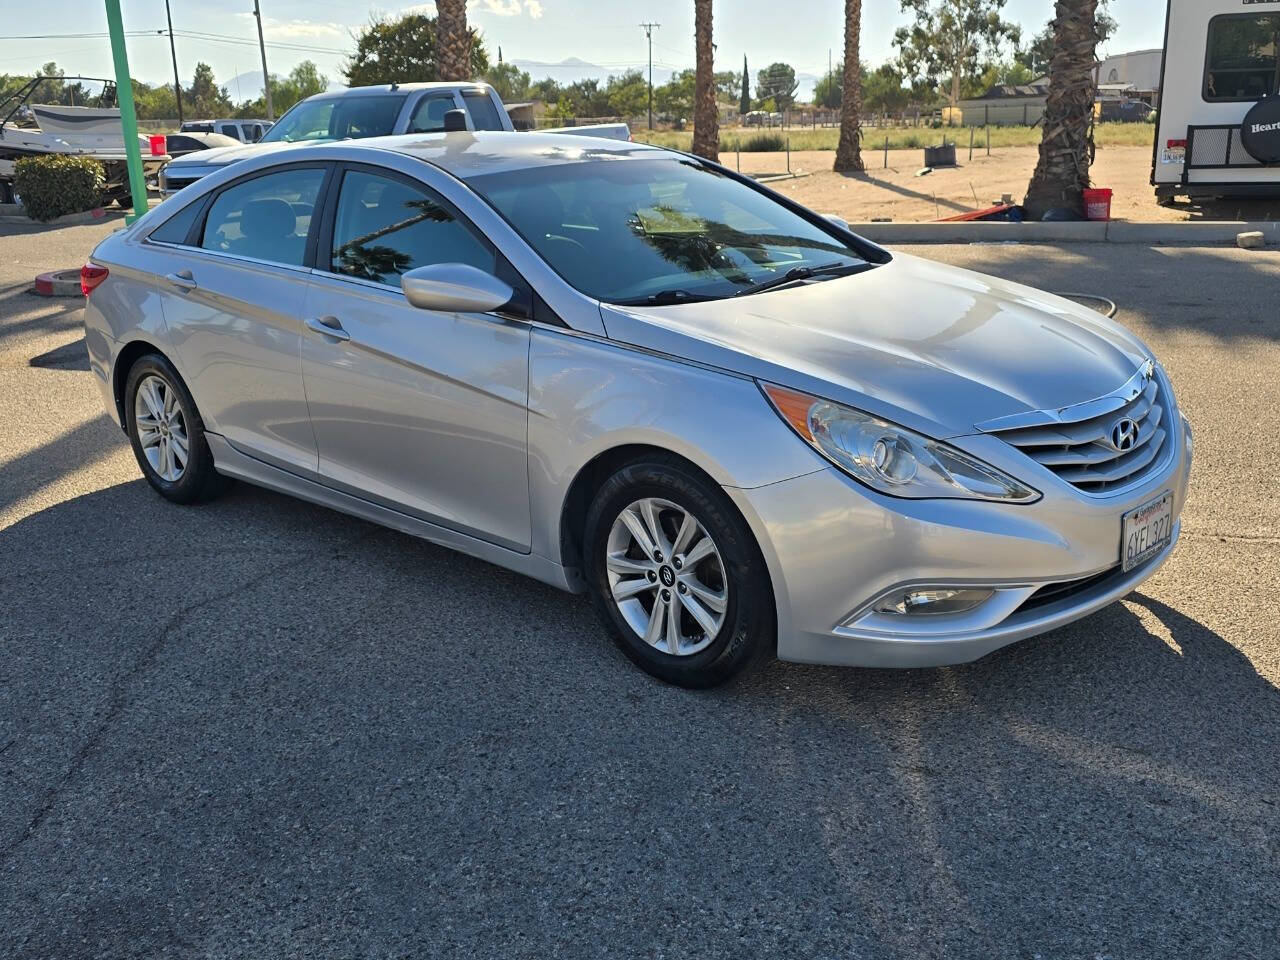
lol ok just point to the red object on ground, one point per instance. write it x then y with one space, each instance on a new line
159 144
90 276
989 213
1097 204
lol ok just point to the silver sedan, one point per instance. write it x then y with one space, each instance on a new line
623 370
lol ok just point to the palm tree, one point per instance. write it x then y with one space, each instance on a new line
849 149
1066 146
453 41
706 118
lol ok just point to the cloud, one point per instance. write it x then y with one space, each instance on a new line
499 8
299 29
513 8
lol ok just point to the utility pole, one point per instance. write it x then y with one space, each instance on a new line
173 52
262 46
648 32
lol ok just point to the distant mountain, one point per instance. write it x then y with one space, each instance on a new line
574 69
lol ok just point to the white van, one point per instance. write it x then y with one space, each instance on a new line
1218 123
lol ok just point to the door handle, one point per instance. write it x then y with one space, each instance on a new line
328 327
183 280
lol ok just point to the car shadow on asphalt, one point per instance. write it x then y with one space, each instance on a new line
258 696
1161 287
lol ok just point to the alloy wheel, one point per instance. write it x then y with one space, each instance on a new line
666 576
162 429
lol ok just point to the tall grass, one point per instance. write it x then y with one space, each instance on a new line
900 138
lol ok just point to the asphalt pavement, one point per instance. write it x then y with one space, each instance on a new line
261 729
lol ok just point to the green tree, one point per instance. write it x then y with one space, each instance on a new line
546 90
628 94
675 97
883 90
826 92
510 81
304 80
949 39
402 50
744 101
777 82
728 85
204 98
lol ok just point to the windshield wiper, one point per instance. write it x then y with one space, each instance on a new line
667 297
796 274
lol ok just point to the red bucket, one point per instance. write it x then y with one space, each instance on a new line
159 144
1097 204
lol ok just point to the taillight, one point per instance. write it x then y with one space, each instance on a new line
90 276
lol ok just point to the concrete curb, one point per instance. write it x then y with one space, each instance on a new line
12 213
58 283
1185 233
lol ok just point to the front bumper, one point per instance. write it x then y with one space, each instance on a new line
833 547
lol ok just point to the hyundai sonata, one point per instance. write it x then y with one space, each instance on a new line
627 371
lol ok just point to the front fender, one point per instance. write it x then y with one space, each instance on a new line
588 396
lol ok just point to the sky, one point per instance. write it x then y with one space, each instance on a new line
604 32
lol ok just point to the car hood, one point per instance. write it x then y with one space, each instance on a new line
929 346
219 156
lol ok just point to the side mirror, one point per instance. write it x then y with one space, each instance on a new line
840 222
454 288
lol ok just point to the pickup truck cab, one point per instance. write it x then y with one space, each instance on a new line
354 114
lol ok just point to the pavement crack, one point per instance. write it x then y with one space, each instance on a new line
1226 537
119 698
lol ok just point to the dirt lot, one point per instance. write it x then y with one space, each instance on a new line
897 193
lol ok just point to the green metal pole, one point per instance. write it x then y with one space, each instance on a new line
128 119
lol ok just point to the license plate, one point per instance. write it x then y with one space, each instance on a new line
1146 531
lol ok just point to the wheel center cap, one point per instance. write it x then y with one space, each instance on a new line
666 575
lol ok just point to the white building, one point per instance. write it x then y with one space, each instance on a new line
1139 69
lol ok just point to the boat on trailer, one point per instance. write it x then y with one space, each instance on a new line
38 129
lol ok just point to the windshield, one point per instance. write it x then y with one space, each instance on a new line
338 118
638 231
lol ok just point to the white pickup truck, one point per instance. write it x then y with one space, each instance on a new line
369 112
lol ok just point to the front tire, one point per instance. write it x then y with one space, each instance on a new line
676 576
167 434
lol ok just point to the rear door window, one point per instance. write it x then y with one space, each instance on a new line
428 115
229 129
385 227
1244 57
484 114
266 218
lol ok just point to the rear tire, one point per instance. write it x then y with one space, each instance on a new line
691 604
167 434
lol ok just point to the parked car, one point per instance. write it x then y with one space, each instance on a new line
373 112
629 371
181 144
242 131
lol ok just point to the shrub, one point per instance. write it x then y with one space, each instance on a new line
54 185
764 143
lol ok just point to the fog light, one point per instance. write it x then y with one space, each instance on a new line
933 601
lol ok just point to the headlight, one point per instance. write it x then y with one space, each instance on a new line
889 458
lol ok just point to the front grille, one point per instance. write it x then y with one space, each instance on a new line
1064 590
1079 444
174 184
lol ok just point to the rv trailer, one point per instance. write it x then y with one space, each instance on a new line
1218 122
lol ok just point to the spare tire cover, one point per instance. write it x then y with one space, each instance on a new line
1260 132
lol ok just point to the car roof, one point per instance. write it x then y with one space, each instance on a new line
471 153
383 88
